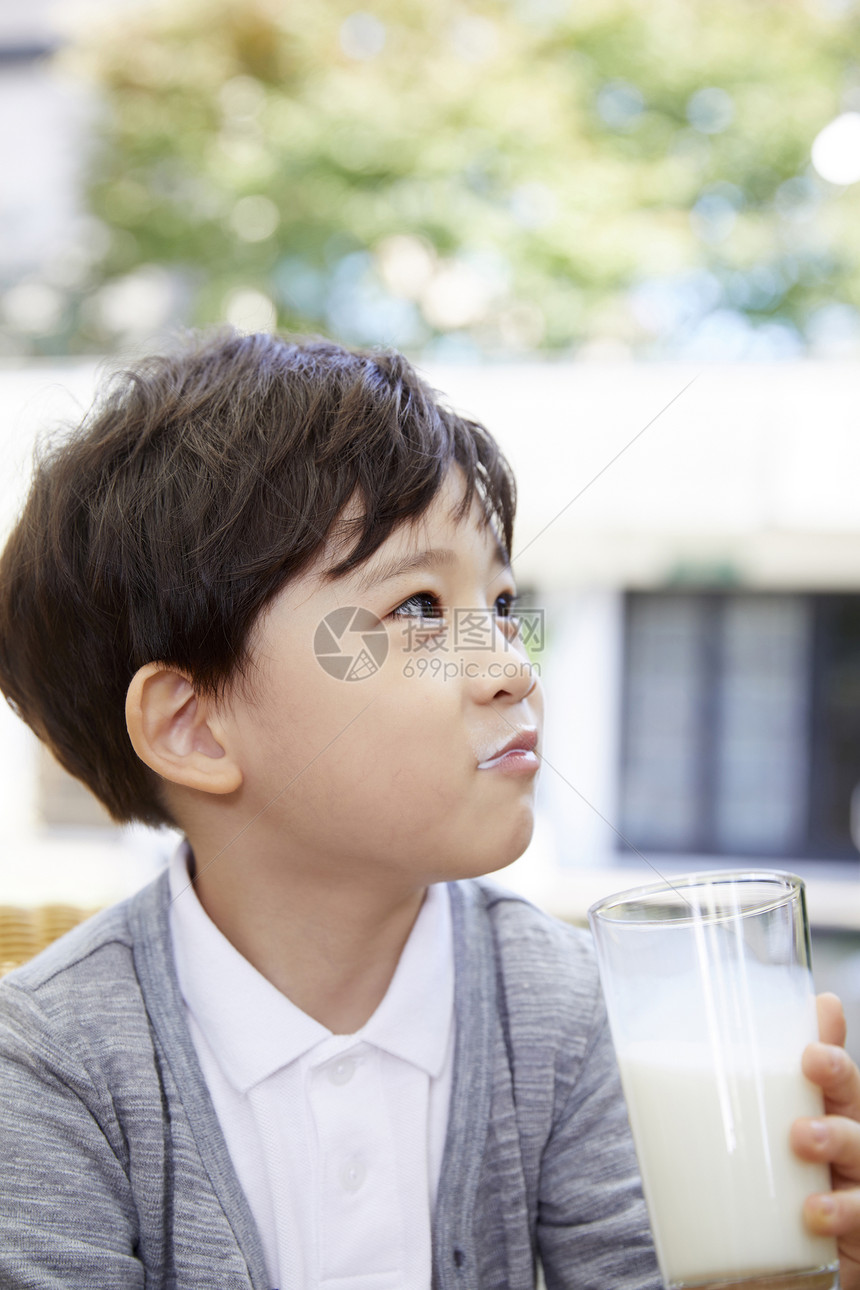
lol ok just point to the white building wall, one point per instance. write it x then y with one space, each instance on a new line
579 787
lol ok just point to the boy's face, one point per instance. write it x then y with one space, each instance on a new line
383 776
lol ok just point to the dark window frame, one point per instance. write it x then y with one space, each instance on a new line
819 841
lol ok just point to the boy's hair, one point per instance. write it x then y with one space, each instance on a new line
201 483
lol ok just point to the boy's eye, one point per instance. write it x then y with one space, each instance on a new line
506 603
506 614
422 605
427 608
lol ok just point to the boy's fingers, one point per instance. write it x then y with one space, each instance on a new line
834 1213
832 1028
835 1073
832 1140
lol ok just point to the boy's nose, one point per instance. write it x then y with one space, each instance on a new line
503 672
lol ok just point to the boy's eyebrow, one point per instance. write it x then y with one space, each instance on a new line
432 558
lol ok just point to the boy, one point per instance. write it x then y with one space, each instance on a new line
319 1051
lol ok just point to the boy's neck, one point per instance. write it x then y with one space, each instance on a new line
331 948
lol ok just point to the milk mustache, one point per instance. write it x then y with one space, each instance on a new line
711 1115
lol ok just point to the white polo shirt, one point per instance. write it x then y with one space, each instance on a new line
337 1140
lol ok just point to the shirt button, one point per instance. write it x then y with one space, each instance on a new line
342 1071
352 1174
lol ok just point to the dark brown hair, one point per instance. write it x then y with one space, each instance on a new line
198 485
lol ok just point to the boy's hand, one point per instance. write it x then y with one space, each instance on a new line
835 1139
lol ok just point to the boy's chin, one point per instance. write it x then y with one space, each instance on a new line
495 859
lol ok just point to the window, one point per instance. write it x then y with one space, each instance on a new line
741 723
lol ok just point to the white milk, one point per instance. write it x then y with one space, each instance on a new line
724 1189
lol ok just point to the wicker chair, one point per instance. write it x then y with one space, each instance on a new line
24 932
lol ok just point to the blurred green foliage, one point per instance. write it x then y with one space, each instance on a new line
481 178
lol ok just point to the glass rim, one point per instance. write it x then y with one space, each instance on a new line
787 886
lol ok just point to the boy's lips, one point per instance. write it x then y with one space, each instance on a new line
518 753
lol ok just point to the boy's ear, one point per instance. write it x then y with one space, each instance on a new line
178 733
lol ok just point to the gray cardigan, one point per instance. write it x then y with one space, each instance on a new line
114 1171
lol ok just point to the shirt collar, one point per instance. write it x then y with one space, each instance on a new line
413 1021
254 1030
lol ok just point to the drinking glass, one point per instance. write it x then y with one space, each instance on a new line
708 988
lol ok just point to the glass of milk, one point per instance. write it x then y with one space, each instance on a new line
710 999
